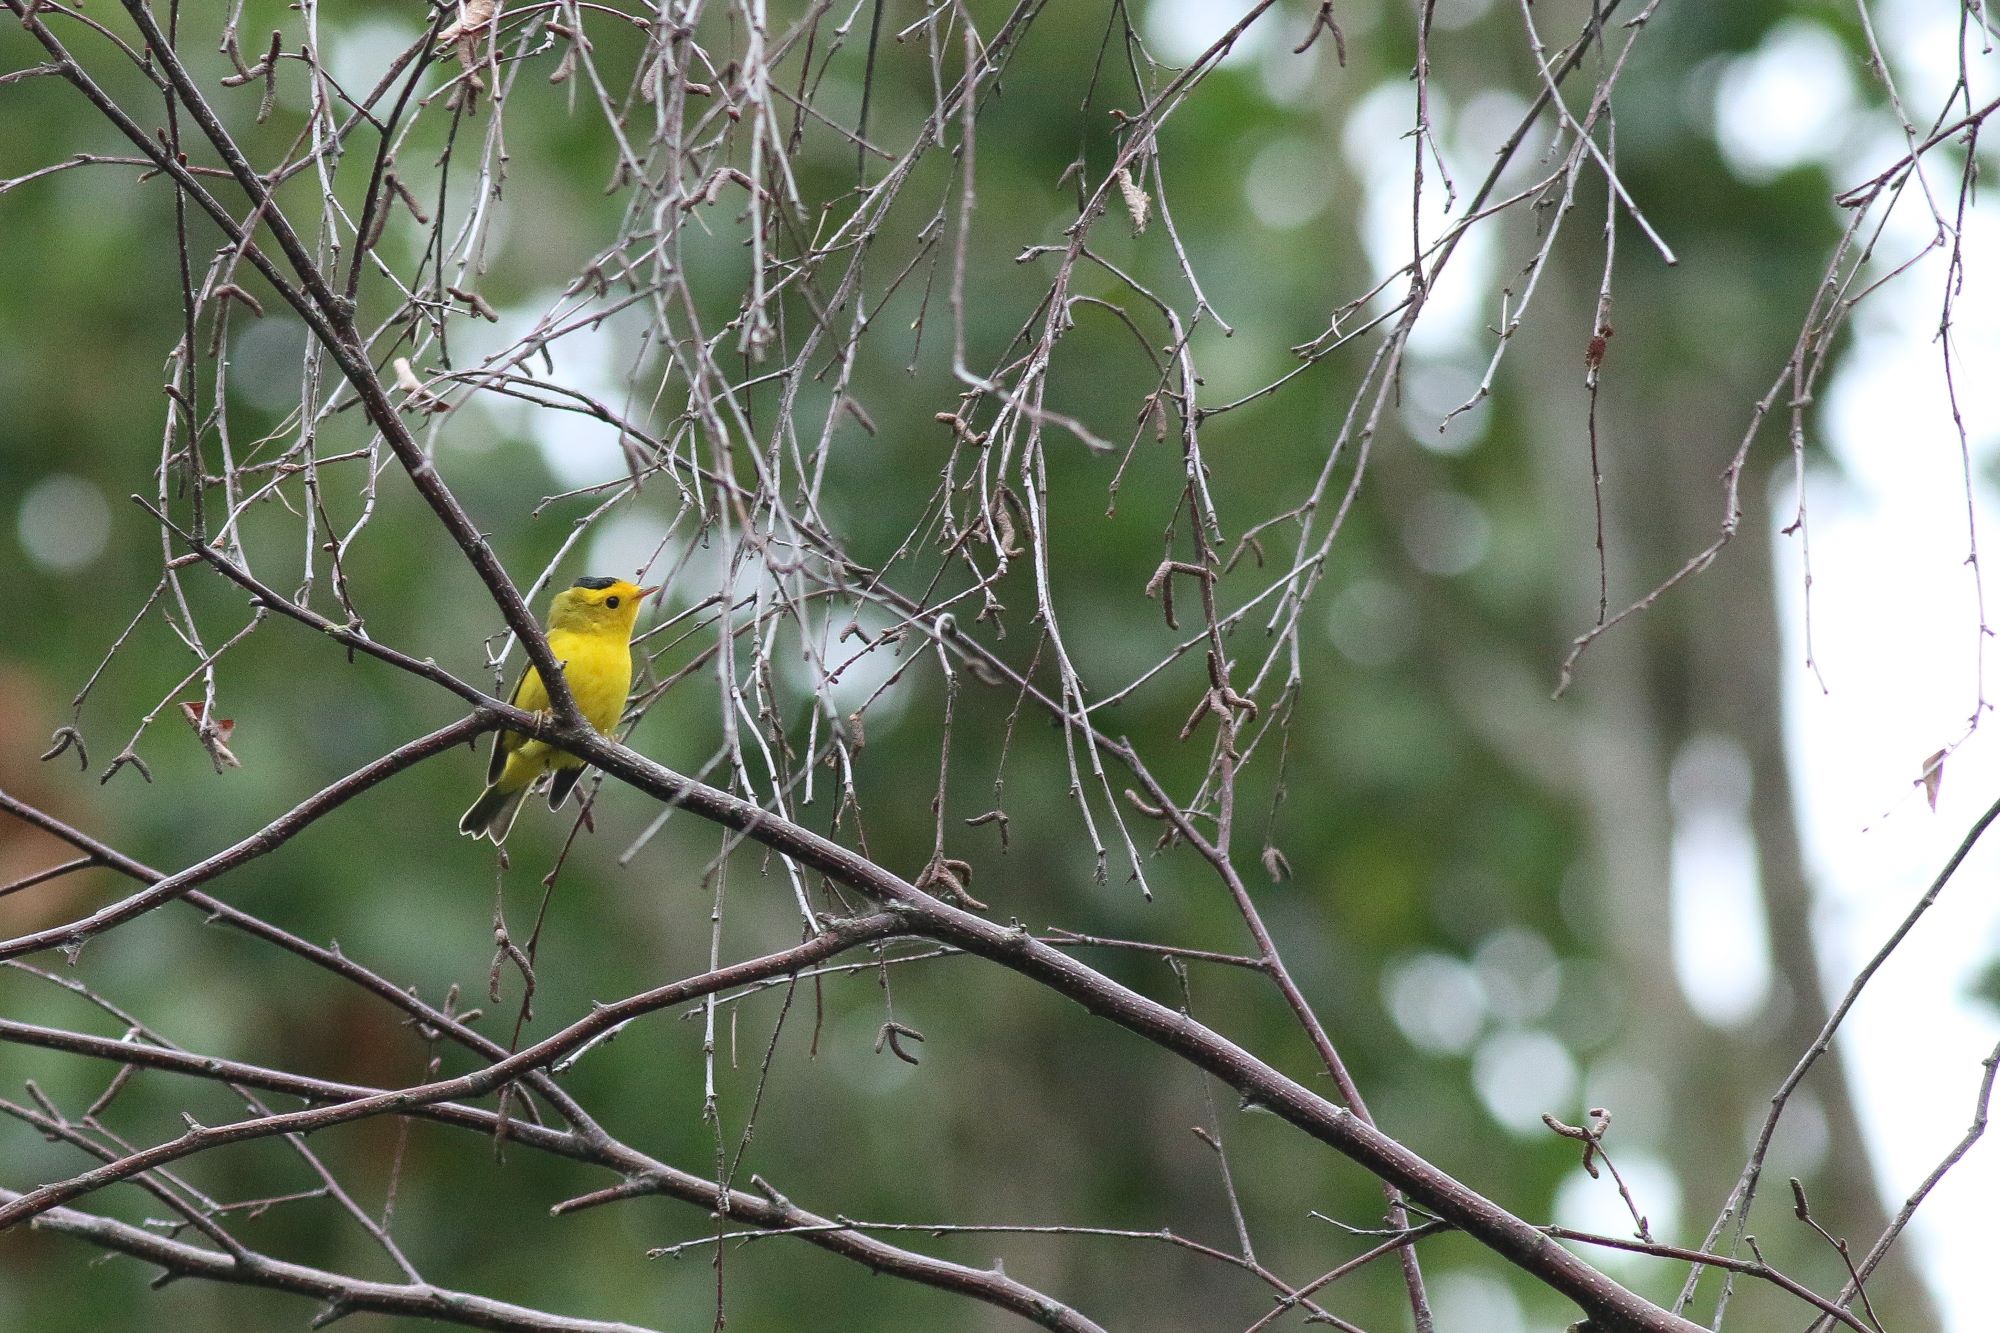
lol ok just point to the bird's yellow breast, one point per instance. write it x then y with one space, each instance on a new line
599 670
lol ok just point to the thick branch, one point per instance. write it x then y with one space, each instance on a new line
1521 1243
1611 1305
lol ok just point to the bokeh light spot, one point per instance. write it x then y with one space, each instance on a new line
64 522
1783 105
1447 533
1520 1073
1436 1001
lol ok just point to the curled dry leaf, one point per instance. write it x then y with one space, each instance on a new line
1933 777
475 17
420 399
476 20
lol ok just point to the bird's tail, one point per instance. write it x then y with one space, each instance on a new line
492 815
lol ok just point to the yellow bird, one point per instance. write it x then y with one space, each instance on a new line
590 633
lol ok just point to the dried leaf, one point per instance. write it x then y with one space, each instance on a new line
406 378
1137 202
1933 777
214 736
420 399
474 17
476 20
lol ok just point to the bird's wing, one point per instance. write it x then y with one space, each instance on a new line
561 783
528 696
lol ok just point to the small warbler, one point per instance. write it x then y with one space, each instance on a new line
590 633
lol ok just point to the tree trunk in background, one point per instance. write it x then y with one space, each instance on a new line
1708 660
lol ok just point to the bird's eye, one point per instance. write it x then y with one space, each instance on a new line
611 602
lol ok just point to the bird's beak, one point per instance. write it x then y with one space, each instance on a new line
644 593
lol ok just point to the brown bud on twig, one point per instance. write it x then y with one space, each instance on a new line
1323 22
480 305
122 758
1587 1137
960 430
991 817
1004 534
1246 543
229 291
1593 352
891 1035
1161 585
402 192
953 877
62 739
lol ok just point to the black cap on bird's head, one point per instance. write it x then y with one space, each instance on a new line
593 595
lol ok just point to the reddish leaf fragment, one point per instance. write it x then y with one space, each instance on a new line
213 735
